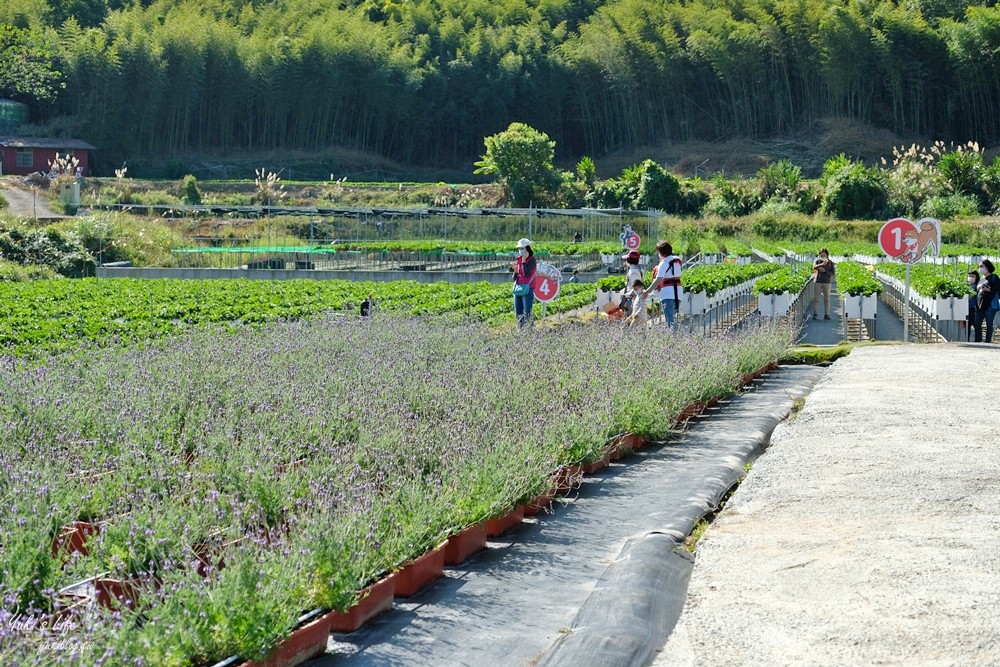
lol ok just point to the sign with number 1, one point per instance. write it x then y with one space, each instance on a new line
906 242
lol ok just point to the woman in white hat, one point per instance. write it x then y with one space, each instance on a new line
524 272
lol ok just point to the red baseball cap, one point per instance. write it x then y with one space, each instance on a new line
632 254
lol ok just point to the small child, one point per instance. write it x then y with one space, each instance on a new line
639 299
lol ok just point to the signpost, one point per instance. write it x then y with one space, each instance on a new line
545 284
904 241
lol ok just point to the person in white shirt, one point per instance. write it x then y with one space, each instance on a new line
667 278
639 298
632 273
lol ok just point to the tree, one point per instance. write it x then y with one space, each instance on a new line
26 65
521 159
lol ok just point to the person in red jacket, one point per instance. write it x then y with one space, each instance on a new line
524 268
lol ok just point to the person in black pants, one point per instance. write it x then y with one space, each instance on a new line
987 296
973 281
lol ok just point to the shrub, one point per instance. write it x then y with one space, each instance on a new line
47 247
950 206
963 170
3 201
175 170
658 188
190 193
17 273
779 226
732 199
856 192
779 180
693 197
833 166
586 171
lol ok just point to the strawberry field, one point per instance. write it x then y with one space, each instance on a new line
54 315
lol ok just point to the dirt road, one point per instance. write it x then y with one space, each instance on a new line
22 203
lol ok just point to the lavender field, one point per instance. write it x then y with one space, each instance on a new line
241 477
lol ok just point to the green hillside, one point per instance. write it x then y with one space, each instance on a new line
423 81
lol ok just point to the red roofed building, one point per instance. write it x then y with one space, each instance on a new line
23 156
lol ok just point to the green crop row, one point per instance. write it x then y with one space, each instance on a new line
785 280
713 278
707 278
835 248
856 280
929 280
55 315
487 248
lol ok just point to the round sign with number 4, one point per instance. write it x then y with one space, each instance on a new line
546 283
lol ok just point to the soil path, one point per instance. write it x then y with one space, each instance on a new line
19 202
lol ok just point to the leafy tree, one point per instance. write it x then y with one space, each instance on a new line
521 159
27 69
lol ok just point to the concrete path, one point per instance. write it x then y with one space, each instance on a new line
889 326
870 531
579 586
822 331
22 203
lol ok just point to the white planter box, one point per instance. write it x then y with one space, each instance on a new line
608 297
694 303
858 307
775 305
955 308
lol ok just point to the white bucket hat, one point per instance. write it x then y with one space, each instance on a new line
523 243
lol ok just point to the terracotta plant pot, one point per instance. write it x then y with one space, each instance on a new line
567 479
638 441
540 503
73 537
304 644
464 544
372 601
689 412
420 572
712 402
497 527
622 446
114 592
598 465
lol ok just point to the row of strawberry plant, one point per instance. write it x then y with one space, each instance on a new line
713 278
54 315
855 279
486 248
929 281
786 280
705 278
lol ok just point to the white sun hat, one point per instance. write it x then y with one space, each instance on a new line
523 243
